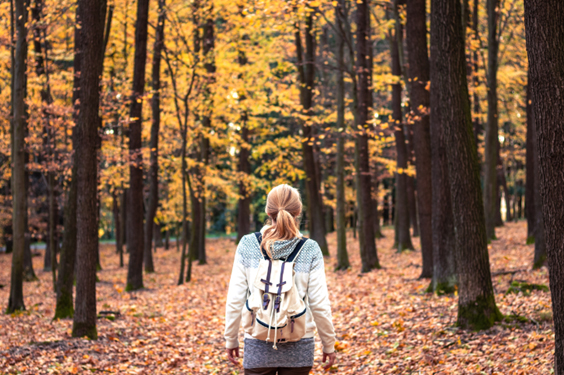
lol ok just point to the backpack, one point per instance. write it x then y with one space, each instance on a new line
274 312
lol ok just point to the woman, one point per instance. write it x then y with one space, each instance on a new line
278 241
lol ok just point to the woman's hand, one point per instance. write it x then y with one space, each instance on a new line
331 360
232 353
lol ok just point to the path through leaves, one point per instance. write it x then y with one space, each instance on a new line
385 321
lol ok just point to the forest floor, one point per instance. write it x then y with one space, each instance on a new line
385 321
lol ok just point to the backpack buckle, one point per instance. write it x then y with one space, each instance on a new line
265 301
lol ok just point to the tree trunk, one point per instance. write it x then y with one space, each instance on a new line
475 80
135 237
65 282
92 16
403 237
117 221
545 32
491 151
530 208
342 254
476 302
306 72
418 73
19 191
184 210
411 189
154 145
123 217
244 167
368 252
540 239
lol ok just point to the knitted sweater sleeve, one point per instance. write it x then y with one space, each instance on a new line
319 303
236 297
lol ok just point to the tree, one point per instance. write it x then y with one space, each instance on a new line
367 241
19 190
491 151
531 166
135 236
476 302
93 16
545 33
64 307
306 75
342 254
403 237
154 162
418 72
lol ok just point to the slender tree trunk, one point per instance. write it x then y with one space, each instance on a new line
418 73
117 222
491 150
411 189
403 237
342 254
306 71
476 302
93 17
154 162
545 33
135 237
123 216
368 252
530 182
65 308
184 211
243 167
16 301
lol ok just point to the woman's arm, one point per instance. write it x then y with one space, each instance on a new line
236 297
319 303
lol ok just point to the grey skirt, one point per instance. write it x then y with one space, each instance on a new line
259 354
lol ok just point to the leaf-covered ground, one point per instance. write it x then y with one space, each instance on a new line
385 322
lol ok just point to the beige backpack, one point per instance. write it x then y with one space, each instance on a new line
274 311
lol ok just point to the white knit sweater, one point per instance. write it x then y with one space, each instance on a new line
310 281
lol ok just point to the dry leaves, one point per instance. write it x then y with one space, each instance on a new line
385 322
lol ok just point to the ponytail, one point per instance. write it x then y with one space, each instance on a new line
283 206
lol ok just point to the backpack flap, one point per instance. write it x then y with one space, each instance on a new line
269 278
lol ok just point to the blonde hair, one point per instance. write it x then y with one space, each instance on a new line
283 206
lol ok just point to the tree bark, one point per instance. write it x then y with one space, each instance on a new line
135 236
476 302
418 73
92 16
244 166
19 192
403 237
530 207
545 33
491 151
342 254
306 73
368 252
540 240
411 189
154 144
475 80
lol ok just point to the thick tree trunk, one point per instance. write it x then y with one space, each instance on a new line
154 145
92 16
19 192
476 302
418 73
530 207
540 239
403 237
545 33
342 254
368 252
135 237
491 151
306 69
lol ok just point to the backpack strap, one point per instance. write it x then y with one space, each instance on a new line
259 239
